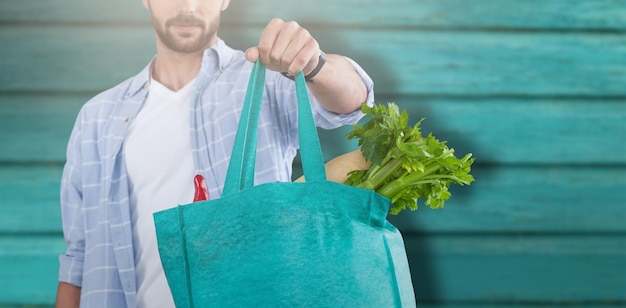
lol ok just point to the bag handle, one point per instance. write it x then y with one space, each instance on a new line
240 174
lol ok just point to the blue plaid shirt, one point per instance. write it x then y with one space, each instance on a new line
95 187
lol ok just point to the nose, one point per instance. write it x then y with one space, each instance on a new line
188 6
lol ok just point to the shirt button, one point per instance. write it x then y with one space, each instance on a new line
128 120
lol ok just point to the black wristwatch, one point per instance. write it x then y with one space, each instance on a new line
317 69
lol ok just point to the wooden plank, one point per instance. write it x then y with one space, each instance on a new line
30 199
12 305
43 63
486 63
504 199
72 11
570 131
520 268
516 304
474 269
401 62
30 264
495 130
424 305
36 128
529 199
514 130
536 14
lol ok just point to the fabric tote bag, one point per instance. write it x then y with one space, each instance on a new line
309 244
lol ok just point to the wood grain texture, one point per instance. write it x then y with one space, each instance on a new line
30 199
495 130
514 130
464 15
519 268
541 199
504 199
487 269
402 62
29 269
36 128
535 89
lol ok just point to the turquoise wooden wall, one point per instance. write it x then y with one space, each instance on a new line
535 89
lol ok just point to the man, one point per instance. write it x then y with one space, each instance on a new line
135 148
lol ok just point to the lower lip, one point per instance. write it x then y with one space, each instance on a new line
185 28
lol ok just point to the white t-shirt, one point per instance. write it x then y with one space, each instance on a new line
159 161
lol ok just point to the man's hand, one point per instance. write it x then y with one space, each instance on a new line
286 47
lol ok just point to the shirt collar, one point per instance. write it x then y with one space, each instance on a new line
209 66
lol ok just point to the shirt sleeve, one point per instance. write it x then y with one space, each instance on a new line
71 262
329 120
284 105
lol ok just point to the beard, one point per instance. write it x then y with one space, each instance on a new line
185 42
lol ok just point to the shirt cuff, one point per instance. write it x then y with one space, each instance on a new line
70 270
330 120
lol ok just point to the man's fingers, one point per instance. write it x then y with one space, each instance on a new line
252 54
285 47
288 44
306 59
302 50
268 37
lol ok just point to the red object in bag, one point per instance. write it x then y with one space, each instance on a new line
202 192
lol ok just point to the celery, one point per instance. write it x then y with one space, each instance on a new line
404 165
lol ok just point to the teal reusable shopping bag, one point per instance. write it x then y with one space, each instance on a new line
311 244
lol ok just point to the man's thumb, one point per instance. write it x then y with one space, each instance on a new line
252 54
